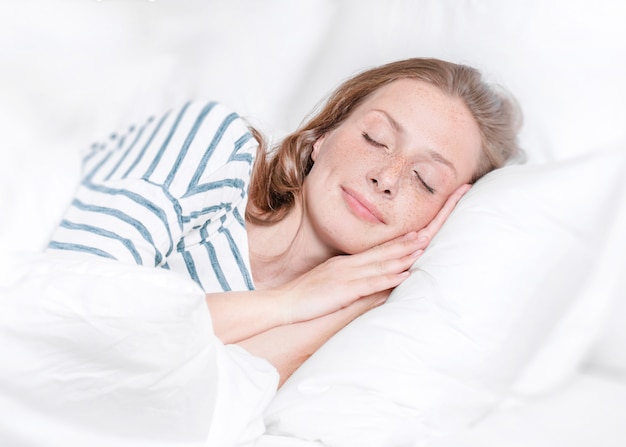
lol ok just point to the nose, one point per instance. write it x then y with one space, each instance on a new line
386 177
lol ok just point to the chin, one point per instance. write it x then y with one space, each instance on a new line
352 247
352 237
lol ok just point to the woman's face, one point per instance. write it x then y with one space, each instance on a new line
390 166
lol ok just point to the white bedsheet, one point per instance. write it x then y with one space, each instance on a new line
100 353
588 411
283 441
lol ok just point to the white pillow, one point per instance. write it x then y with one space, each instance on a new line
520 252
609 354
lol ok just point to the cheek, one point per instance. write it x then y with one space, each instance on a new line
417 213
341 150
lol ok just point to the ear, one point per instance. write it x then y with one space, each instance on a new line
316 146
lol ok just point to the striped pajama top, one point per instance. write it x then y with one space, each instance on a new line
170 193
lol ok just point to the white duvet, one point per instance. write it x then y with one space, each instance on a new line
99 353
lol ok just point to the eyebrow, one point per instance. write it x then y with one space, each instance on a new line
433 154
396 125
436 156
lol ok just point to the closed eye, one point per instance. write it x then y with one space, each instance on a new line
424 184
371 141
375 143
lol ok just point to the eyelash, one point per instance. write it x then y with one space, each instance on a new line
375 143
372 141
428 188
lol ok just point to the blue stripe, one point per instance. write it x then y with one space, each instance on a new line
128 151
147 145
140 200
247 158
191 266
219 133
207 210
143 231
176 206
215 264
95 148
237 255
190 137
238 217
104 233
77 247
159 155
97 167
236 183
235 155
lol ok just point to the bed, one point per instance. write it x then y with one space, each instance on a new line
510 330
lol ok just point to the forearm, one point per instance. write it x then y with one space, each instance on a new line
240 315
287 347
338 283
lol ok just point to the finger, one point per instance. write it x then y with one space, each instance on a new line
435 225
358 267
373 300
386 267
393 249
375 284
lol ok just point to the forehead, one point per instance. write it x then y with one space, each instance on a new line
408 95
426 118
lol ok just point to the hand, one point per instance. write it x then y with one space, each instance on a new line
342 280
362 305
287 347
327 288
430 230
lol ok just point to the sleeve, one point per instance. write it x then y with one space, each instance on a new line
169 193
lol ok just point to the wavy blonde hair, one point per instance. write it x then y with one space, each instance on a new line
278 176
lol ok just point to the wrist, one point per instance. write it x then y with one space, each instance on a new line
283 307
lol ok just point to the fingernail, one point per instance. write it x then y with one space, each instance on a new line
417 254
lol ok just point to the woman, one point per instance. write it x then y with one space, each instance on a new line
336 215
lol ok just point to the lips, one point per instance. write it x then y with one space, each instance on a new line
362 207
